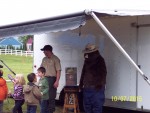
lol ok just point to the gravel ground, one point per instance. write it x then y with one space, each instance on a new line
59 109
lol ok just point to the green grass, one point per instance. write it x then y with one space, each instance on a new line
18 64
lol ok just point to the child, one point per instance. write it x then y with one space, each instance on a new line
18 96
3 91
44 88
32 94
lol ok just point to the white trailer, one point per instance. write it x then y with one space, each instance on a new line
68 34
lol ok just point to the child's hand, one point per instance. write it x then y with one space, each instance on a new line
9 95
9 92
14 82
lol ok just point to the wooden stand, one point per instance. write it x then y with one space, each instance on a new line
71 99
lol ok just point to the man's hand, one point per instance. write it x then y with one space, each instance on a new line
56 84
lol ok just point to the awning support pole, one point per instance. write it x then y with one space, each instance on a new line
7 67
118 45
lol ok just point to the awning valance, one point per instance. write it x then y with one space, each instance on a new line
63 23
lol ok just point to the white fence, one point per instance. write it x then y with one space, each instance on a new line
16 52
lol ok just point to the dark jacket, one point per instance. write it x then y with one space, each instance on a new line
94 71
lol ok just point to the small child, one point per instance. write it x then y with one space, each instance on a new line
18 96
44 88
32 94
3 91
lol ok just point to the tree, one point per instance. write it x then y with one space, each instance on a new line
24 39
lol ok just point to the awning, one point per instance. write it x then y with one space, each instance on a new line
123 12
62 23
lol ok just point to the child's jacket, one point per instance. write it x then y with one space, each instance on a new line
18 92
3 89
32 94
44 88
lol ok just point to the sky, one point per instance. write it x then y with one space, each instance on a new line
17 11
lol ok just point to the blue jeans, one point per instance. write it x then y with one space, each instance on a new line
1 106
93 100
18 106
44 106
31 108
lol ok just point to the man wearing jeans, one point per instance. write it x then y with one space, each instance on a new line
53 69
93 80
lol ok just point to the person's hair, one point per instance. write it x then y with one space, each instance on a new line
42 69
1 73
31 77
21 79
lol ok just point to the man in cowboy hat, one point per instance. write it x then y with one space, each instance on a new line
53 70
93 80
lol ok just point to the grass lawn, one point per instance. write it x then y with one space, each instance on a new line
18 64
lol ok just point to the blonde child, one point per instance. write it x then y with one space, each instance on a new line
18 96
3 91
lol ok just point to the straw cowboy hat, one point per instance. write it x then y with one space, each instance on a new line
70 71
89 48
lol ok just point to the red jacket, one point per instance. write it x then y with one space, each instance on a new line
3 89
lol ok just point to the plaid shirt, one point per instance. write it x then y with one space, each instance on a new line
18 92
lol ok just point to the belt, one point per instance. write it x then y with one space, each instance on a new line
50 76
89 86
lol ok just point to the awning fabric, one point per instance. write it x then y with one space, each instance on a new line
123 12
61 23
56 24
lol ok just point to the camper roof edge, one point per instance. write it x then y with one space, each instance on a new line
44 19
83 12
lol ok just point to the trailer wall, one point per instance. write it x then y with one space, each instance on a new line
122 78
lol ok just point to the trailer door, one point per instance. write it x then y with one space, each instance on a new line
144 61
